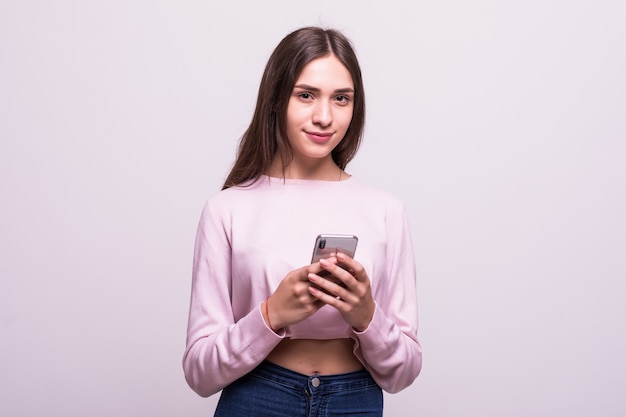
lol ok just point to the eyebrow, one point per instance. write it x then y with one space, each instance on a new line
316 90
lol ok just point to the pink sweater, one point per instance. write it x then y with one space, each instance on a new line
248 239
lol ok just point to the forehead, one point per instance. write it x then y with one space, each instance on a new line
327 72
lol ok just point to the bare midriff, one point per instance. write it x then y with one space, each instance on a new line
310 356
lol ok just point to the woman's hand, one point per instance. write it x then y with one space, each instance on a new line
352 296
292 301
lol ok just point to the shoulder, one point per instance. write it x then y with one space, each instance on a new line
223 203
374 194
235 194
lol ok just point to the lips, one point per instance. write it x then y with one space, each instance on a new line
319 137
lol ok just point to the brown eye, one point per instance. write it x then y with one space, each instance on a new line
342 99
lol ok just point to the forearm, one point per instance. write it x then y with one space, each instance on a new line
393 357
213 360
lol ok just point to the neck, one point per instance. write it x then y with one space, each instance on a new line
324 170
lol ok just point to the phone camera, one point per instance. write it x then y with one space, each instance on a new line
322 244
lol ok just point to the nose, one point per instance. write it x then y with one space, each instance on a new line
322 114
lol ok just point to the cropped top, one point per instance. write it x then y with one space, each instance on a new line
250 237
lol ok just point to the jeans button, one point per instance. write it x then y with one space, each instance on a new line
315 382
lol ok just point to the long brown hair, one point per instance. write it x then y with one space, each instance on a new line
267 131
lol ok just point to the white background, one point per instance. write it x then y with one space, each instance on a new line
501 124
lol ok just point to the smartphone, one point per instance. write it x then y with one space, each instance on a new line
329 243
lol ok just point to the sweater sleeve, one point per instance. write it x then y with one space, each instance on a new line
389 347
219 349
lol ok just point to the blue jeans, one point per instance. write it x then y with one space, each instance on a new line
273 391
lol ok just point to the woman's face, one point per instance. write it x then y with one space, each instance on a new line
319 109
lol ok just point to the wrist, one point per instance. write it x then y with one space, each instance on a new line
363 326
265 312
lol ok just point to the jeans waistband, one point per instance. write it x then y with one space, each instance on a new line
325 383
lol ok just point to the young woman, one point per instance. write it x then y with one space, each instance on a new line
280 336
